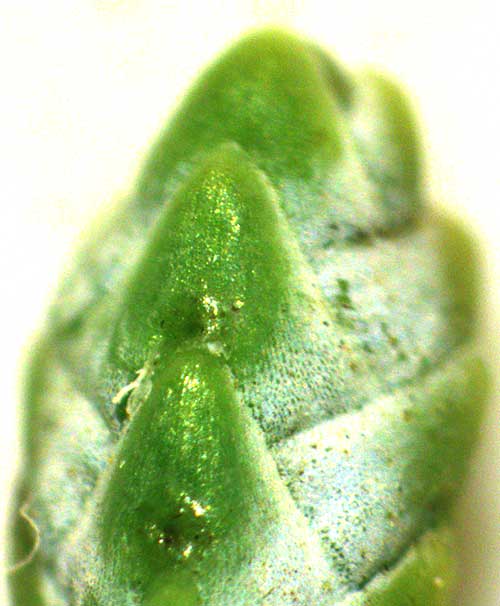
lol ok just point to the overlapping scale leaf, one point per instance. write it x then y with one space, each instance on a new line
192 509
242 395
282 101
372 481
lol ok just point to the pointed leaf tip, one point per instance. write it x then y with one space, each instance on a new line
215 270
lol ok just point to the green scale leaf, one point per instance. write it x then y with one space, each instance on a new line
260 382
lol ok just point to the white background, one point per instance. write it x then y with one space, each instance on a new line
85 84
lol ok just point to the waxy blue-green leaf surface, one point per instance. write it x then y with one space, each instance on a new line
259 382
